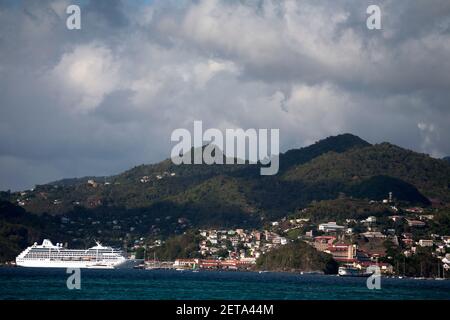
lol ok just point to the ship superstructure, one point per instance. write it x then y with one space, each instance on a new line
48 255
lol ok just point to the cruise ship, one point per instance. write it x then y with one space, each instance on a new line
48 255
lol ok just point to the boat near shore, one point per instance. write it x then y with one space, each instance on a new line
353 272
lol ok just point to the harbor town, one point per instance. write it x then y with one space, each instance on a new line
352 243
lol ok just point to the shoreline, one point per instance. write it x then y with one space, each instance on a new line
302 274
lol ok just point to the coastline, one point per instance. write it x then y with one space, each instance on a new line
249 271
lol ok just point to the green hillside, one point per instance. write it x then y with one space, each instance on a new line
430 176
297 256
18 229
341 209
378 187
163 199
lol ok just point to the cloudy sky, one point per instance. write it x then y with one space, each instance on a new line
102 99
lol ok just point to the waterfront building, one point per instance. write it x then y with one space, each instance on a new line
415 223
330 227
425 243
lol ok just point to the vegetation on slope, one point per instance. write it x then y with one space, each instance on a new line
176 198
430 176
378 187
17 230
340 209
297 256
182 246
338 144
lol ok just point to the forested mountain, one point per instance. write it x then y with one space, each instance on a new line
165 199
430 176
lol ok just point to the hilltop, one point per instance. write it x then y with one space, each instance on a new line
343 164
357 168
144 186
164 199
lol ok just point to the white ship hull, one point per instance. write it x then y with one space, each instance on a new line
352 272
71 264
48 255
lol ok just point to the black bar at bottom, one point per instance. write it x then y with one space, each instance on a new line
213 309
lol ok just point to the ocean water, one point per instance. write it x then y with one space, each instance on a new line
31 283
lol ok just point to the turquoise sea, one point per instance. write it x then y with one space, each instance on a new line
24 283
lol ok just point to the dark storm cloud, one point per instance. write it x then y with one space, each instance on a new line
110 11
105 98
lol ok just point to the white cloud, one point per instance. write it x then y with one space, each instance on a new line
136 71
430 137
85 75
